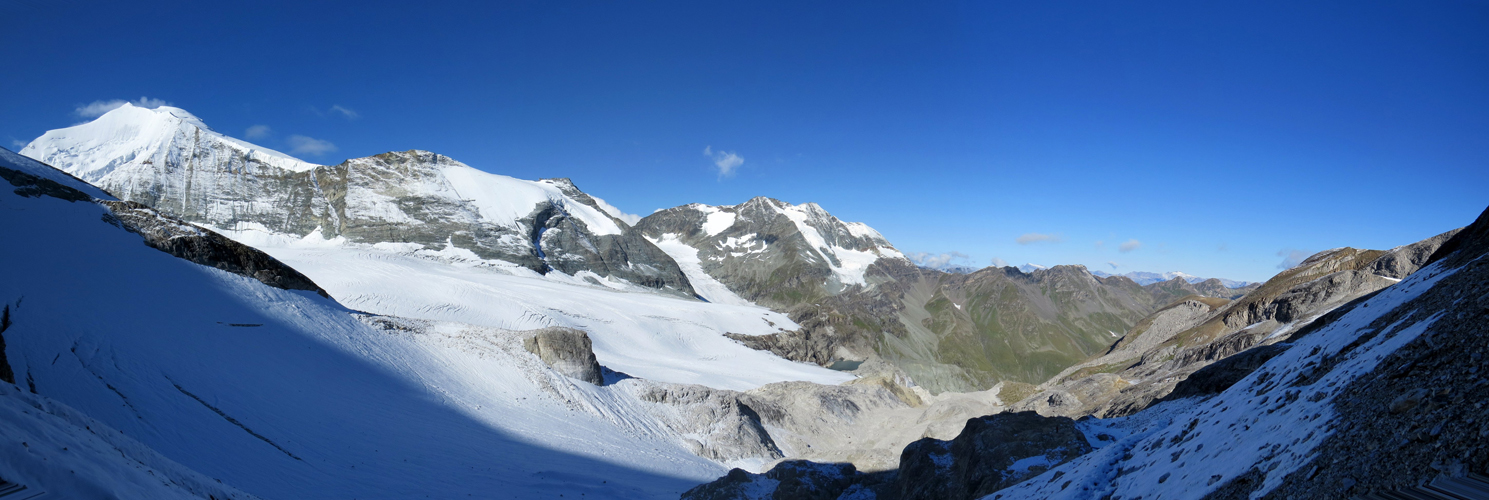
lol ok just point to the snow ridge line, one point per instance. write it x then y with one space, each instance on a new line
234 421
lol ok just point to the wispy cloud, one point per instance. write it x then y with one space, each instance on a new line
257 132
726 161
1129 245
17 144
1291 257
937 261
1113 264
348 113
1029 238
300 144
997 262
96 109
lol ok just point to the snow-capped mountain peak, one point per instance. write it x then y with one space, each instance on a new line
1031 267
130 138
736 247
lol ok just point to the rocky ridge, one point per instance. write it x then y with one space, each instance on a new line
1178 341
167 159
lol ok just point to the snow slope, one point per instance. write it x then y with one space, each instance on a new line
1271 420
51 448
285 394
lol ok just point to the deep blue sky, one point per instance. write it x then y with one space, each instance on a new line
1219 139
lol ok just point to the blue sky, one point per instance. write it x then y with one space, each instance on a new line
1156 136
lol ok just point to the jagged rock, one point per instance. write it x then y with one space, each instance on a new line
715 423
188 241
6 373
32 186
990 454
1222 374
567 350
788 480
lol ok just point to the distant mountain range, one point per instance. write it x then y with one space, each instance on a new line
1148 278
1141 277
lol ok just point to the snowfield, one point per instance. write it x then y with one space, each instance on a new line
285 394
635 330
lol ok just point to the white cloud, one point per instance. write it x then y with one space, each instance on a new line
1291 257
937 261
300 144
1129 245
726 161
17 144
257 132
96 109
1028 238
997 262
349 114
1113 264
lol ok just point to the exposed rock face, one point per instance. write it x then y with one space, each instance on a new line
716 424
188 241
990 454
6 373
1160 351
168 159
31 186
567 350
793 480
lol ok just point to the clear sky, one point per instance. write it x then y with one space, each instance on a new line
1152 136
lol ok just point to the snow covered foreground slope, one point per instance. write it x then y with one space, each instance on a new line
286 394
54 450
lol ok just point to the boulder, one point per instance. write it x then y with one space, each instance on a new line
567 350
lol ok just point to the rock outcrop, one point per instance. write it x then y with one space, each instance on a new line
196 244
1181 340
991 453
567 350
